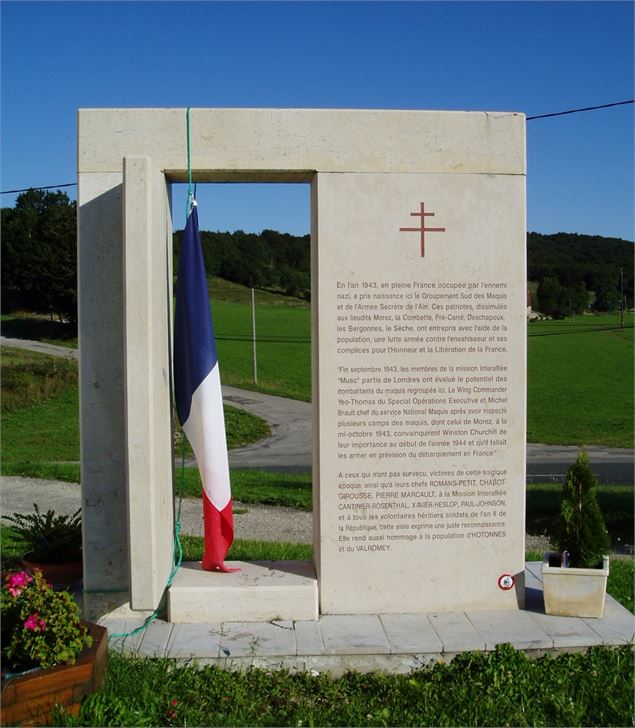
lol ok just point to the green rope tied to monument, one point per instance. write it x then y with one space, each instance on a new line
177 548
190 193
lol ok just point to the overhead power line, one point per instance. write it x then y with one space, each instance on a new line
528 118
577 111
47 187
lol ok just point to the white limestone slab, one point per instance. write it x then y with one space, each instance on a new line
566 631
420 366
289 144
371 171
353 634
260 591
456 632
126 642
155 639
308 638
410 633
194 640
617 624
257 639
517 628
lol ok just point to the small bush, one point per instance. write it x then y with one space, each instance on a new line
582 530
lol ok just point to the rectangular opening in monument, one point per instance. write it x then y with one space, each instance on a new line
256 246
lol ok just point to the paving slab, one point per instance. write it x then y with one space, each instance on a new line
257 639
155 639
456 632
410 633
308 638
194 641
566 631
616 626
353 634
120 637
515 627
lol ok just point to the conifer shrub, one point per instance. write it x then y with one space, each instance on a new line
582 529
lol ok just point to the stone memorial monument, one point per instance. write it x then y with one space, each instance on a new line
418 283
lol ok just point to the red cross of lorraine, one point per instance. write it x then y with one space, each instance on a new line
423 229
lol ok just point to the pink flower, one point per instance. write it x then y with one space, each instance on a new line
34 623
17 582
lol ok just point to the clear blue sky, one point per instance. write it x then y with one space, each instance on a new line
532 57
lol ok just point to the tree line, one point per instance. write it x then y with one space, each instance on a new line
569 267
269 260
39 262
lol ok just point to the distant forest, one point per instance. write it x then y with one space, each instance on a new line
269 260
569 267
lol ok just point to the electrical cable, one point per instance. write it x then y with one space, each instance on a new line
577 111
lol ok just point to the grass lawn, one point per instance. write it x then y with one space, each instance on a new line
500 688
283 350
580 371
40 411
580 381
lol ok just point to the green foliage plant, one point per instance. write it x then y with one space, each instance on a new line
48 538
40 627
582 530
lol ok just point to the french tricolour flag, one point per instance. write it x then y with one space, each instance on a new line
199 401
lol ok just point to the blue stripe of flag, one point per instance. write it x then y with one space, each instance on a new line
194 345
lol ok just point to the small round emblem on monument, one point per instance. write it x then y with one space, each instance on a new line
505 582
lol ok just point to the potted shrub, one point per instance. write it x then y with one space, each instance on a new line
51 543
574 580
49 657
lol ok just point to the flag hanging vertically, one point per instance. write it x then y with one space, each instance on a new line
199 401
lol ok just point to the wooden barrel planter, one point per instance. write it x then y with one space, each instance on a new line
30 699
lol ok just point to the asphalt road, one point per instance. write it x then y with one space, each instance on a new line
290 446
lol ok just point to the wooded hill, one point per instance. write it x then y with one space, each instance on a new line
568 267
269 260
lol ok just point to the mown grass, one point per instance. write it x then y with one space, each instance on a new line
580 381
283 350
580 371
500 688
250 550
293 490
40 411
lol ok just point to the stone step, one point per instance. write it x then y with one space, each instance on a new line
261 591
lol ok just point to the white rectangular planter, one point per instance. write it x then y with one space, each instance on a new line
572 592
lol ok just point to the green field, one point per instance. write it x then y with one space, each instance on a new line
580 381
40 411
579 371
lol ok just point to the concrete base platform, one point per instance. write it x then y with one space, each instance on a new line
261 591
395 642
